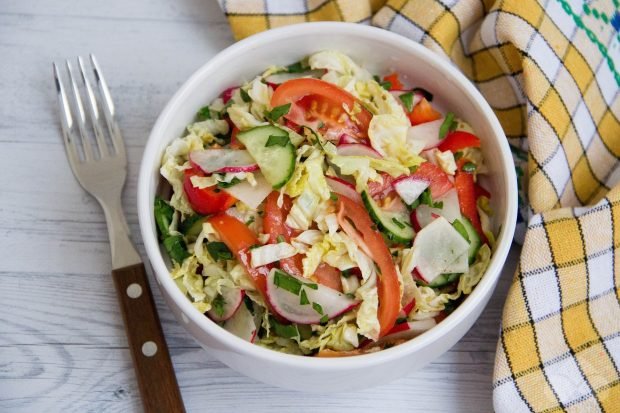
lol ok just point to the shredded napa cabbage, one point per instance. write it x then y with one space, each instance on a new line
341 69
367 320
339 336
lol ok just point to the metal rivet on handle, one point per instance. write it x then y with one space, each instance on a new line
134 290
149 348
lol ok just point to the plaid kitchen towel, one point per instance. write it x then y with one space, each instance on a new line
549 69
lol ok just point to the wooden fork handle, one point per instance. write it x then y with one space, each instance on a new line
156 379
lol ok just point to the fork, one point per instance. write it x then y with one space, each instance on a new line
100 166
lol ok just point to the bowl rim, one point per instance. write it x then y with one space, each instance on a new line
145 204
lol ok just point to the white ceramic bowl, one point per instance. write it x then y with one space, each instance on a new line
380 51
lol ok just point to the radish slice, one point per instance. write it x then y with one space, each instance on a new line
242 324
427 132
344 139
331 303
422 216
416 97
404 312
357 149
342 187
440 249
410 188
279 78
233 297
223 160
250 195
228 93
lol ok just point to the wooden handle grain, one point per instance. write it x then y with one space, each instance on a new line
156 379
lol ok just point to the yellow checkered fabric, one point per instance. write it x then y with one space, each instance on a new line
549 69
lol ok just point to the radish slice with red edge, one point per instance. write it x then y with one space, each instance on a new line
228 93
406 331
304 302
223 160
250 195
422 216
427 132
409 188
404 312
232 299
344 139
357 149
342 187
242 324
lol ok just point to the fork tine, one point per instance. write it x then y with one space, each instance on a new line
93 111
108 108
81 119
66 120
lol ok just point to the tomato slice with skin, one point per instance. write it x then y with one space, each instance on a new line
205 201
328 276
439 180
457 140
423 112
466 191
354 218
320 104
395 83
239 238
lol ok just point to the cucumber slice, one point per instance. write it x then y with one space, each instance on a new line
275 157
192 226
465 228
395 225
163 217
176 248
444 279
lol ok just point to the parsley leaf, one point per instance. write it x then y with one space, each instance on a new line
277 112
469 167
317 307
285 281
219 251
218 305
204 113
297 67
448 125
407 99
303 298
232 182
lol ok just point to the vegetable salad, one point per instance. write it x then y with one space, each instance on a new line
321 210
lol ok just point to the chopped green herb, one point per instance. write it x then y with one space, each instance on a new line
407 99
312 286
376 78
438 205
253 247
426 199
317 307
277 140
277 112
348 273
458 155
232 182
203 114
448 125
287 282
401 320
283 330
387 85
219 251
305 331
303 298
244 95
458 225
469 167
398 223
320 125
248 303
281 238
218 305
297 67
176 248
163 216
333 196
324 319
250 220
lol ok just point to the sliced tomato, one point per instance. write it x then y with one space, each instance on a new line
395 83
320 105
328 276
239 238
439 180
356 222
274 225
457 140
205 201
466 191
423 112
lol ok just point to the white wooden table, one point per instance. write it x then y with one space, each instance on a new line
62 343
